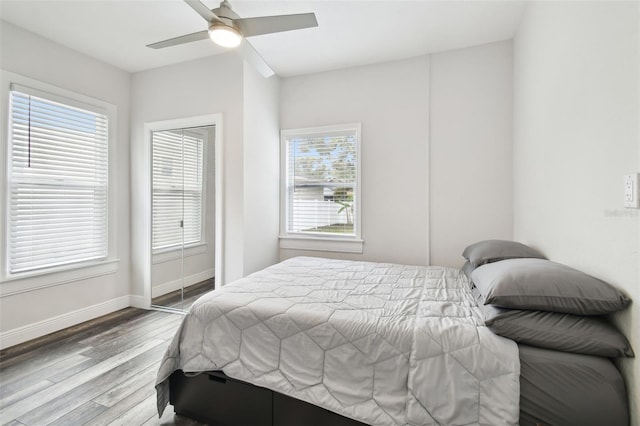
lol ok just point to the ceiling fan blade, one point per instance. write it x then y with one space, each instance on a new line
202 10
250 55
200 35
274 24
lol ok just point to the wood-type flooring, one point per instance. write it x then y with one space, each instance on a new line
101 372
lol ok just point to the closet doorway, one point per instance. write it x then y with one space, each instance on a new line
183 241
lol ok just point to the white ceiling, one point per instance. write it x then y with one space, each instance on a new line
350 32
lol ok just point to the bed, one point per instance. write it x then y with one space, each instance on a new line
319 341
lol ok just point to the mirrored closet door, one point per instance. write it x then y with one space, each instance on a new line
182 210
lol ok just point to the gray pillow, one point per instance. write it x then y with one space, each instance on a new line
537 284
496 250
467 268
561 332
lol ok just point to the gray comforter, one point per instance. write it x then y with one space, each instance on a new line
380 343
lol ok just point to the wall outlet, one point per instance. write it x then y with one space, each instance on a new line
631 192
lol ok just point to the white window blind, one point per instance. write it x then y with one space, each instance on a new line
57 183
177 188
321 181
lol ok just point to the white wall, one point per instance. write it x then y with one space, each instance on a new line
196 88
391 102
436 147
261 170
201 87
576 132
218 84
29 314
470 149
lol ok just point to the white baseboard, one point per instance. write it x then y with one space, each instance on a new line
50 325
41 328
138 302
174 285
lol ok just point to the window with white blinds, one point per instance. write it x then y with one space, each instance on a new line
58 182
321 175
177 188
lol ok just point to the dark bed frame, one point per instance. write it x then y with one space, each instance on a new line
218 400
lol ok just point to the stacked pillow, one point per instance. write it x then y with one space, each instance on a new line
532 300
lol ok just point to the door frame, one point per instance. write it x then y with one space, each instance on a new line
215 120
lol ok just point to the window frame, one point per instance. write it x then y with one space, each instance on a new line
317 241
58 274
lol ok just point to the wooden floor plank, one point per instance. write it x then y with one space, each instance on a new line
99 372
97 385
129 386
139 413
36 375
80 415
66 337
36 400
163 328
13 423
38 361
71 371
108 334
124 405
12 398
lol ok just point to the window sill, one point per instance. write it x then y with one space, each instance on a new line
36 280
334 244
174 253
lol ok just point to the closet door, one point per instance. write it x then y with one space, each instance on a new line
182 233
168 218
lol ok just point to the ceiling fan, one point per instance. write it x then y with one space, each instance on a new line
227 29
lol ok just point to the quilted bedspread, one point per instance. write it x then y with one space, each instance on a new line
381 343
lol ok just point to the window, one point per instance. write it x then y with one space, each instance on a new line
177 188
57 181
321 182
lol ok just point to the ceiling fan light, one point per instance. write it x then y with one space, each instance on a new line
225 36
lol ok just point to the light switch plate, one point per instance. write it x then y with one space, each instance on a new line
631 192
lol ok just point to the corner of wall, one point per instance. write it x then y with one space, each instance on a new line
576 132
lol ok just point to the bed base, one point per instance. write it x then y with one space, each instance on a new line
216 399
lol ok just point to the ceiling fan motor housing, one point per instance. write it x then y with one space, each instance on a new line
224 22
225 11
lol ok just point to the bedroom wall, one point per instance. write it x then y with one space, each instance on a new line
470 148
24 315
457 167
391 102
248 102
184 90
262 173
576 132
